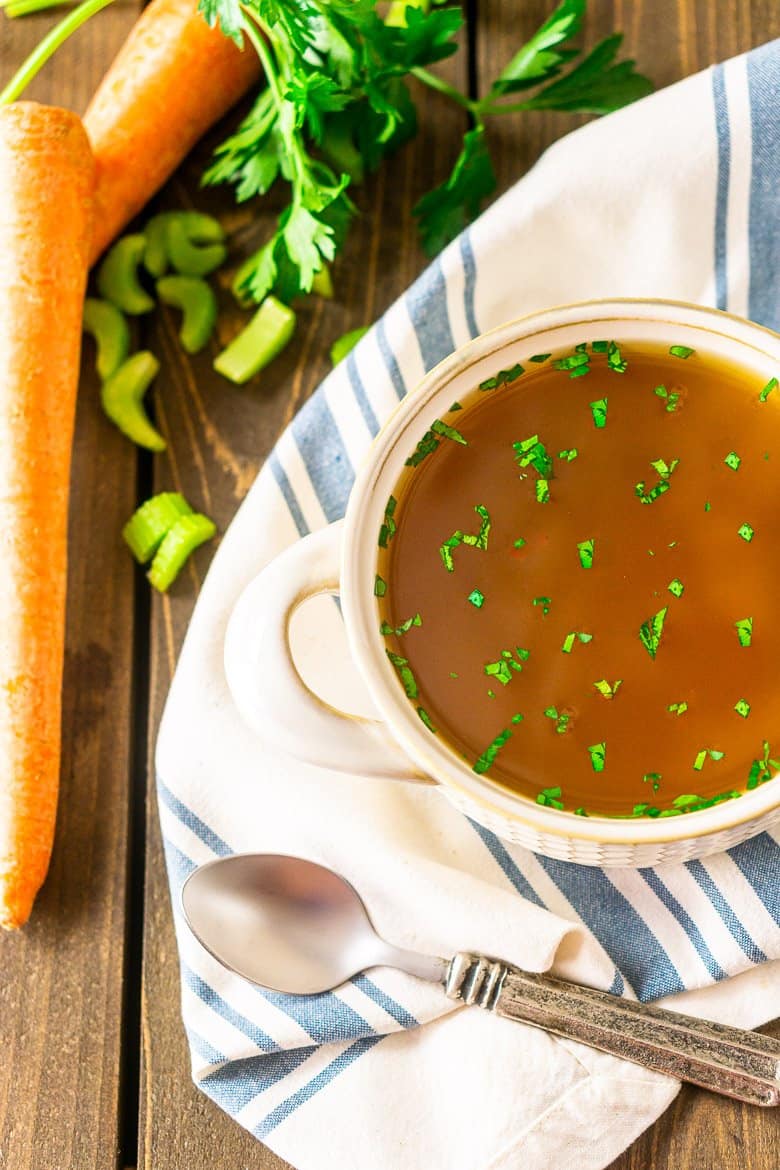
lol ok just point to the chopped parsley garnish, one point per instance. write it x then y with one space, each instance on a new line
448 432
742 707
653 778
431 439
502 378
732 460
426 719
561 719
681 351
585 549
520 542
763 769
608 690
507 664
477 598
404 627
650 632
746 531
570 639
664 471
676 587
580 812
545 603
540 357
568 453
599 411
542 491
598 756
405 673
530 452
671 397
488 757
455 406
577 364
550 797
770 386
600 346
380 586
614 360
744 630
388 529
677 708
453 674
701 757
472 540
707 506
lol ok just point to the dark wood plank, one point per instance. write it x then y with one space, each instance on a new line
61 979
669 39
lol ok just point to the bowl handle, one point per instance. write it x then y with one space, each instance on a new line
266 686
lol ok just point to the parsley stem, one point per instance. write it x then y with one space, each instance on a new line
434 82
47 47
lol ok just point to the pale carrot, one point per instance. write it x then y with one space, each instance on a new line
173 78
46 204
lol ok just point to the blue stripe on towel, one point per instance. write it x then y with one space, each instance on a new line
304 1094
380 997
324 455
763 69
242 1081
290 498
720 101
192 822
470 282
758 859
738 932
426 301
205 1050
390 360
359 390
326 1018
665 895
212 999
507 864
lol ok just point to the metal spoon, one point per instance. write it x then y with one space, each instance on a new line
291 925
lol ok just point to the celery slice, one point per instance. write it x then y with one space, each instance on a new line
197 227
321 284
194 250
198 304
117 278
150 522
179 541
122 399
107 325
344 345
261 340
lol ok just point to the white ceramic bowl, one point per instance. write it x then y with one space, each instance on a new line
342 559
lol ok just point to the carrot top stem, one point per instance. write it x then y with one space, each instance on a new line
49 45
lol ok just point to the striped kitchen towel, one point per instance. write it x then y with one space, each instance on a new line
676 197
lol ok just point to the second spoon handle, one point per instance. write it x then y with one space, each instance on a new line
731 1061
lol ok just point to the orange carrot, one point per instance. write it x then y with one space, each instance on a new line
172 79
46 202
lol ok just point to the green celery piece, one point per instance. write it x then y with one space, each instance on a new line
106 324
146 528
322 284
258 343
198 304
117 278
195 245
122 398
199 228
346 343
180 540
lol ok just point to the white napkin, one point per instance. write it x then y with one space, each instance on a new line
675 197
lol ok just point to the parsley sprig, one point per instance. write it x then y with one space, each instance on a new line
337 103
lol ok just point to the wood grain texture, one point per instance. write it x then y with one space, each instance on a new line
61 979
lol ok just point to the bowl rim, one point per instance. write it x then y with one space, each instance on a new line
359 560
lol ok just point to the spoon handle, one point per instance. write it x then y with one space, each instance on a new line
736 1063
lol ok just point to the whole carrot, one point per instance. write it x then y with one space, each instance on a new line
173 78
46 203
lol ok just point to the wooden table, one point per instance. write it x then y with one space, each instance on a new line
94 1071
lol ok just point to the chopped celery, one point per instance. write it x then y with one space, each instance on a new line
198 304
194 247
322 285
261 340
122 398
118 280
179 541
107 325
345 344
149 523
197 228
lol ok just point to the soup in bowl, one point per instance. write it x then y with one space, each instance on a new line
557 577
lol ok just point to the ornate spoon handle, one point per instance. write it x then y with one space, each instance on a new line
737 1063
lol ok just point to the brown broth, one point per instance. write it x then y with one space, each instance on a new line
688 533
